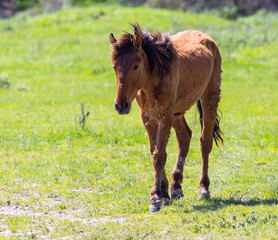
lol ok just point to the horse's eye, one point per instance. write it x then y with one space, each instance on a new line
135 67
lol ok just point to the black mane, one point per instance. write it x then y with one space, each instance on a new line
158 48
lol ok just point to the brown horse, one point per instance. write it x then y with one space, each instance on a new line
167 75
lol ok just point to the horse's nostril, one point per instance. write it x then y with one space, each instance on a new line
116 107
125 105
122 108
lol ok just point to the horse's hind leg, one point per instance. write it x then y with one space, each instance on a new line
209 105
183 135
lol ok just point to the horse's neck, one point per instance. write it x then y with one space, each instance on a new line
152 86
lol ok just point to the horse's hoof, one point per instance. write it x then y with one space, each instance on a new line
166 201
204 194
176 194
154 208
155 205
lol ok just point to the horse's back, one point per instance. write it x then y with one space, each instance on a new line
190 37
195 48
196 59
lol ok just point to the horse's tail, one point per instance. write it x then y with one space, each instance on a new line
217 133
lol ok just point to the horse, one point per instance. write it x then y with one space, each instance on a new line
167 75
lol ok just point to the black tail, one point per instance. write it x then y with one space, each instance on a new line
217 133
199 106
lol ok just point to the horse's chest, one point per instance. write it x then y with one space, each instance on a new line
152 105
153 109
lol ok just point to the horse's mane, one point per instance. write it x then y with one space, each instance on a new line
158 48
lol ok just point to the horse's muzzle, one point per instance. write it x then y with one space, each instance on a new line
123 108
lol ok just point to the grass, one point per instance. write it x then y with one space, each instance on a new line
59 181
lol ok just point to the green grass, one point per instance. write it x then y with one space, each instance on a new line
59 181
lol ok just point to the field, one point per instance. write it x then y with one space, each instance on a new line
60 181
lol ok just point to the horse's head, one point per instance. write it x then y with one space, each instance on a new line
128 62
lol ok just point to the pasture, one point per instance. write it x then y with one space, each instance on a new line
58 180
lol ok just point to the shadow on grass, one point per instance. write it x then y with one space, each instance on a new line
218 203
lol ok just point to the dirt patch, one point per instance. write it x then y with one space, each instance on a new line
39 218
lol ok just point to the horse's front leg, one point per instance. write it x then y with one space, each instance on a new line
152 130
160 185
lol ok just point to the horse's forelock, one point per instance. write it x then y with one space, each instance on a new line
158 48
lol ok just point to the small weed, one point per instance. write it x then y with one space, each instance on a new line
80 120
4 81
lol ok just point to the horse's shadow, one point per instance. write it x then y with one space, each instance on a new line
219 203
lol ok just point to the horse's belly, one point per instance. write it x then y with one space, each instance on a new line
187 99
193 81
194 67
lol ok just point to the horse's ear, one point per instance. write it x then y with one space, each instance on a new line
137 40
112 38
